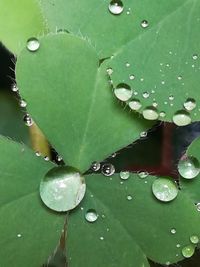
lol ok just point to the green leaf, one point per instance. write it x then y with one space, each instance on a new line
123 224
192 186
165 62
20 20
29 232
69 97
107 32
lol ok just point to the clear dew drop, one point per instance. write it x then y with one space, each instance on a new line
108 169
37 153
189 168
173 231
198 206
143 174
164 189
190 104
131 77
194 239
95 166
19 235
162 114
144 24
143 134
188 251
59 158
33 44
179 77
129 197
109 71
195 56
91 215
124 175
145 94
128 64
150 113
101 238
178 245
14 88
116 7
135 104
28 120
171 97
182 118
22 103
62 188
123 92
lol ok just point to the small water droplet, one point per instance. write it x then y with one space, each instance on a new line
194 239
62 188
182 118
28 120
129 197
188 251
124 175
189 168
162 114
59 158
198 206
143 174
95 166
128 64
171 97
33 44
123 92
143 134
116 7
145 94
101 238
14 88
154 104
131 77
19 235
179 77
46 158
144 24
189 104
109 71
135 104
22 103
173 231
37 153
91 215
108 169
150 113
195 56
164 189
178 245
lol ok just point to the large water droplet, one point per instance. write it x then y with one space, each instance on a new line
123 92
116 7
95 166
108 169
91 215
189 168
182 118
28 120
33 44
62 188
124 175
164 189
135 104
144 24
150 113
194 239
189 104
188 251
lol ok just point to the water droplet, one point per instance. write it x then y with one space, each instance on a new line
171 97
188 251
194 239
155 104
189 168
131 77
189 104
173 231
28 120
143 134
145 94
62 188
113 155
33 44
168 263
198 206
124 175
178 245
162 114
110 71
150 113
123 92
46 158
135 104
22 103
116 7
101 238
14 88
108 169
91 215
59 158
143 175
179 77
129 197
19 235
128 64
182 118
144 24
95 166
195 56
164 189
37 153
